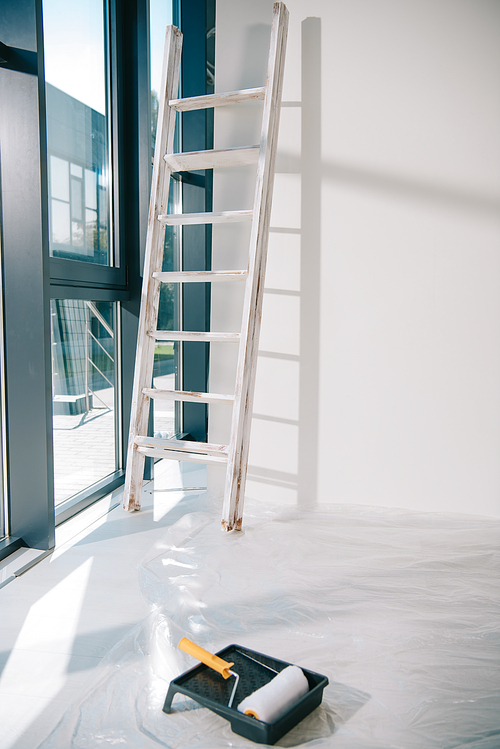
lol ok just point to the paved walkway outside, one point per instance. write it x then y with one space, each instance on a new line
84 445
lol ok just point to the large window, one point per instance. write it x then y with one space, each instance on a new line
75 165
85 340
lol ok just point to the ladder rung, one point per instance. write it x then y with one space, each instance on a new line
200 276
189 397
193 160
204 448
190 335
218 100
153 452
173 219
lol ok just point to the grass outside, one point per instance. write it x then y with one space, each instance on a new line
164 350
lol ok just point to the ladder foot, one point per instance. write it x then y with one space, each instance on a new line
226 526
131 506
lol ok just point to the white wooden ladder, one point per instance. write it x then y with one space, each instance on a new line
235 454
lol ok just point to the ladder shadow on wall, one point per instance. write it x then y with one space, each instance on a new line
304 483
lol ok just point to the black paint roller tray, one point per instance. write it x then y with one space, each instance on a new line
211 690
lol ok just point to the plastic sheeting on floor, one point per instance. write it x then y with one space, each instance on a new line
400 610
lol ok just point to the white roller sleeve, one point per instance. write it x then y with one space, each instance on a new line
270 702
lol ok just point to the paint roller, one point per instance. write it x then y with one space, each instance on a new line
269 702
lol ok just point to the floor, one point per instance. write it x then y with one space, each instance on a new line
398 609
56 621
82 436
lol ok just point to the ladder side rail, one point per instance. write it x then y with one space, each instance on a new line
153 260
234 493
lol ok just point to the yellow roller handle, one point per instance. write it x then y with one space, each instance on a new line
209 659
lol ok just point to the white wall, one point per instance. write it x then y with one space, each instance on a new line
379 374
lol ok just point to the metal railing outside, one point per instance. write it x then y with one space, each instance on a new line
79 356
91 309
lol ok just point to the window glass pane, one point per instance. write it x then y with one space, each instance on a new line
91 228
76 199
165 373
59 224
59 178
75 49
83 385
77 233
166 369
160 17
90 189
